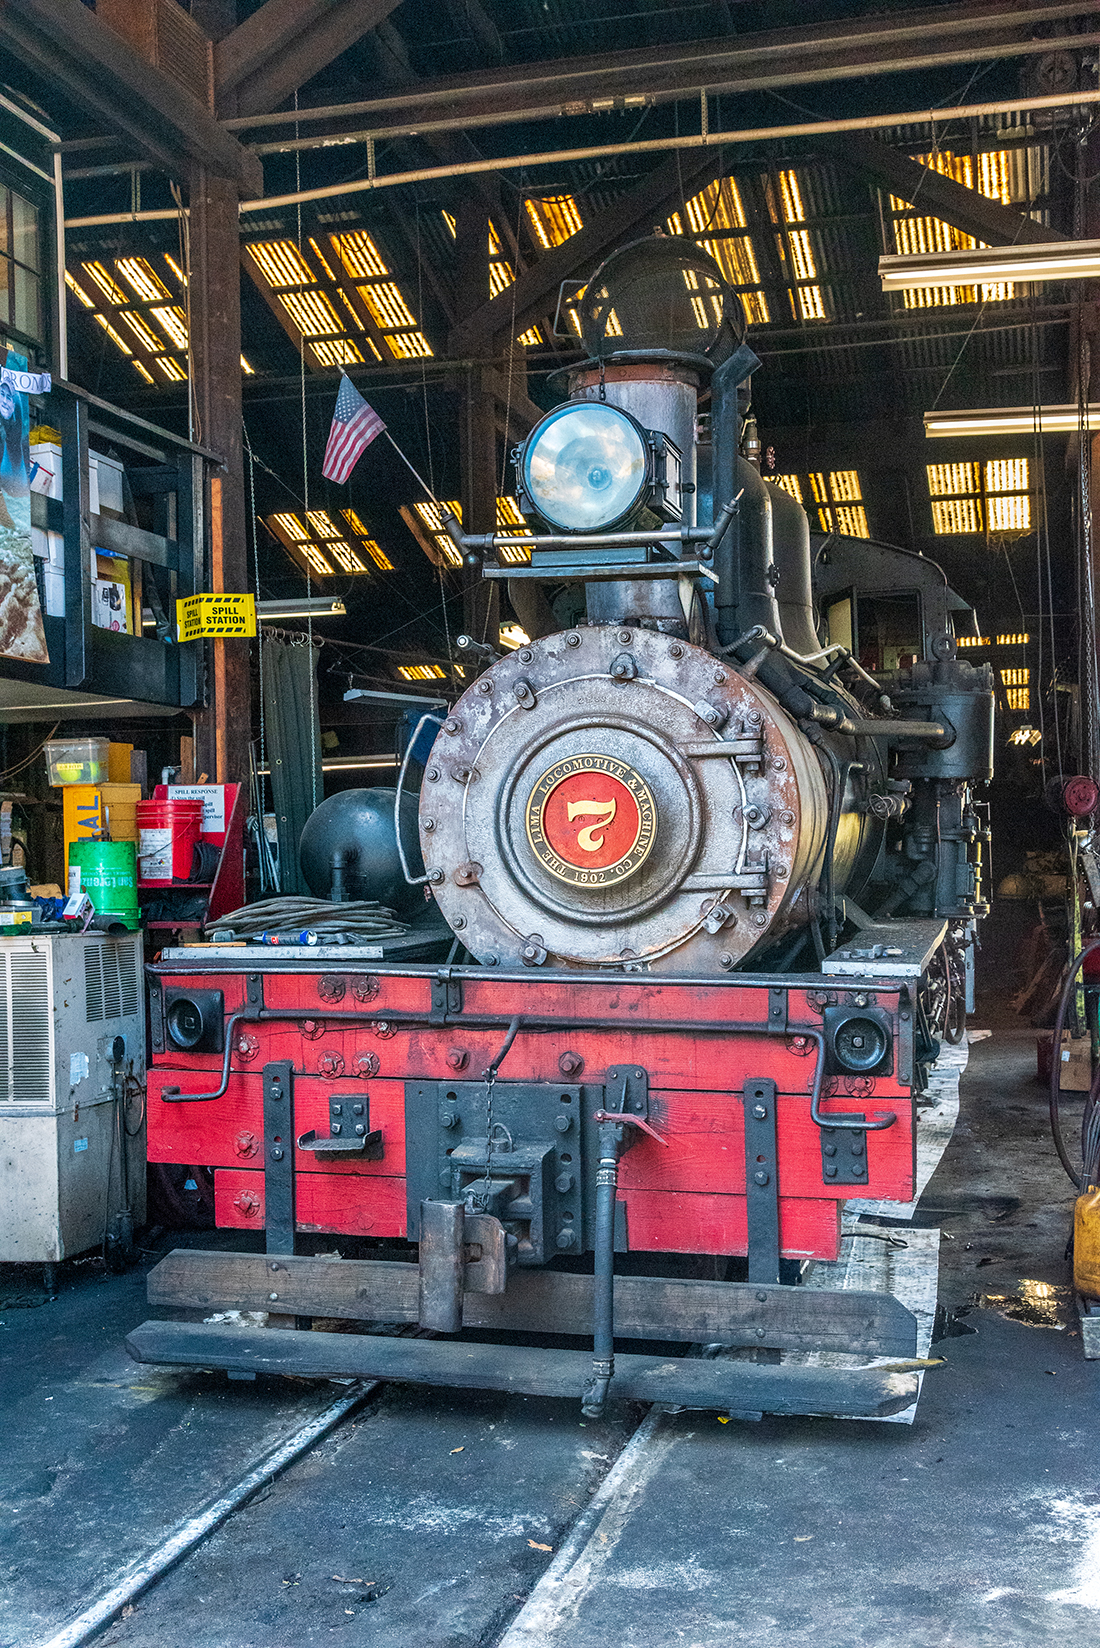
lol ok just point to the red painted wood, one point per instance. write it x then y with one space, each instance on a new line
671 1059
705 1149
322 1204
228 1132
658 1222
688 1197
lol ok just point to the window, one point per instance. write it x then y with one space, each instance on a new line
336 297
425 522
840 502
789 483
20 265
1008 176
971 497
325 542
716 220
554 219
140 303
806 299
421 672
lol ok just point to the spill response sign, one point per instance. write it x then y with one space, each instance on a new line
215 616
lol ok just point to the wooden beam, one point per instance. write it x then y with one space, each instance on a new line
223 730
728 1313
899 42
284 44
71 49
517 413
635 215
965 209
692 1382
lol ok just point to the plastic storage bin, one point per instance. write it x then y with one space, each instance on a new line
77 760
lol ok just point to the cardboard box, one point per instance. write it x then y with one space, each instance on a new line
1076 1063
118 763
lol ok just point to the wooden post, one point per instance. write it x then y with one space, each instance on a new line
223 730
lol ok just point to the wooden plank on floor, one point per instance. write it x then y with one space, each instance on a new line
722 1383
541 1301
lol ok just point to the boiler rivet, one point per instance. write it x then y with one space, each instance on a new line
624 637
429 825
526 656
719 676
778 765
786 818
572 639
458 923
676 650
485 686
273 1295
451 725
432 775
725 959
760 919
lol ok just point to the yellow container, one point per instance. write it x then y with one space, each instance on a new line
90 811
1086 1243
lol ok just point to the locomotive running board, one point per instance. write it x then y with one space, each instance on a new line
722 1384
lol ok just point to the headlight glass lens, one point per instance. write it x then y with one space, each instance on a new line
185 1025
584 467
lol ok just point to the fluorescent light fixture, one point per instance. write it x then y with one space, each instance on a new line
1012 420
305 606
349 763
983 265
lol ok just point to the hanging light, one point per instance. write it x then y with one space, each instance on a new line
303 606
1012 420
983 265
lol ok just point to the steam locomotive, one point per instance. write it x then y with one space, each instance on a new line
716 884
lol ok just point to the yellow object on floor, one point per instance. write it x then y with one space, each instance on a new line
1086 1243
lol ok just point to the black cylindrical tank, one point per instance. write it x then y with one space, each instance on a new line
350 841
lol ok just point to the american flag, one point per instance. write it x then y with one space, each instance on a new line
354 426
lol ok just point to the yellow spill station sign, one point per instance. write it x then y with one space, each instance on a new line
215 617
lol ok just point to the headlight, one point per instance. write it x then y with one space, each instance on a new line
590 466
194 1020
859 1043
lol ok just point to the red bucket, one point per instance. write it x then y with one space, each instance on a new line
167 833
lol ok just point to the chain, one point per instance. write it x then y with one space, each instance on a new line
490 1083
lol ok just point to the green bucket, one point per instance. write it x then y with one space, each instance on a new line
108 874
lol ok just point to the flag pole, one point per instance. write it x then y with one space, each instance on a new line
416 472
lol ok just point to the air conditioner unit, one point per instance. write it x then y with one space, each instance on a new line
72 1091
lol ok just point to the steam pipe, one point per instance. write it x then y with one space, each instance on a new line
743 558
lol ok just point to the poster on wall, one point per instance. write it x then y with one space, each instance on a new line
21 631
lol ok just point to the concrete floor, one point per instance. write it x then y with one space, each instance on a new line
422 1522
